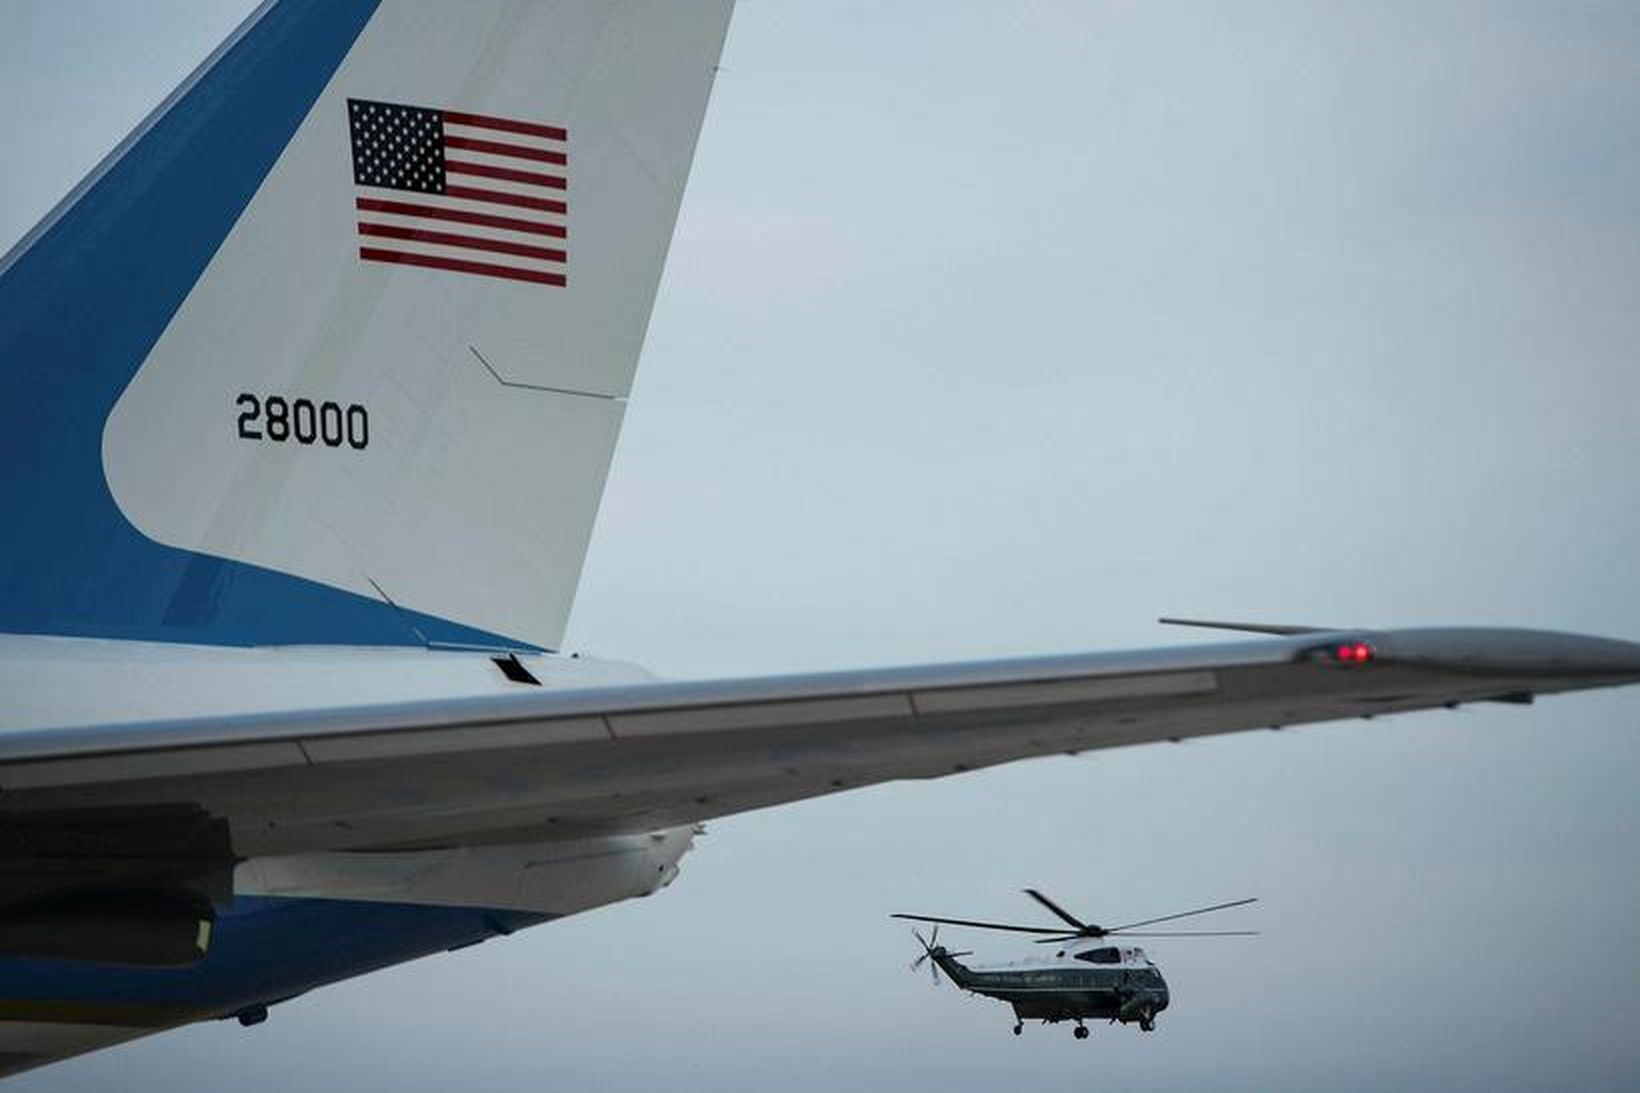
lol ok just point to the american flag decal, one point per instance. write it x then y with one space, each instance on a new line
460 192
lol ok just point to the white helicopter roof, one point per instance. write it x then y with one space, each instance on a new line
1079 952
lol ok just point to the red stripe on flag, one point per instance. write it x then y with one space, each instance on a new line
457 167
485 269
498 246
506 125
501 197
496 147
459 216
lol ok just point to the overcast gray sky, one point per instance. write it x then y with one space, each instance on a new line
1002 328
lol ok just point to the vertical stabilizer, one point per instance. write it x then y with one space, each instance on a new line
336 347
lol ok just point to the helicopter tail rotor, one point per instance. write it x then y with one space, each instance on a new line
931 953
929 946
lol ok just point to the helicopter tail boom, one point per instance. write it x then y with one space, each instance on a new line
954 969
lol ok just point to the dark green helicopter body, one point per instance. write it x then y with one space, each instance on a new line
1085 978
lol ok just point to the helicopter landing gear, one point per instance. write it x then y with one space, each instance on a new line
1080 1032
1019 1027
1147 1020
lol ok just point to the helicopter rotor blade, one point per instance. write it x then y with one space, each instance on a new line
1189 933
1060 912
1184 914
983 925
1156 933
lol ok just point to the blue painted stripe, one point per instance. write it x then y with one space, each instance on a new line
79 312
265 949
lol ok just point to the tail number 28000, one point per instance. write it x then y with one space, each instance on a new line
303 421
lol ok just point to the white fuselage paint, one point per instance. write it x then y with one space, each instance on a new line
1065 959
555 878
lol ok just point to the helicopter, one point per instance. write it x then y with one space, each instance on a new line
1084 979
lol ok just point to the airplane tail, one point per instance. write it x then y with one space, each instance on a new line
334 348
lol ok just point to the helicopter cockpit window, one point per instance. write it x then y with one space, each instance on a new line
1101 956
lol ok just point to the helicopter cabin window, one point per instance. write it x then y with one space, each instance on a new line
1101 956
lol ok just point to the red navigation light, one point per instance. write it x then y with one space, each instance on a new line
1354 652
